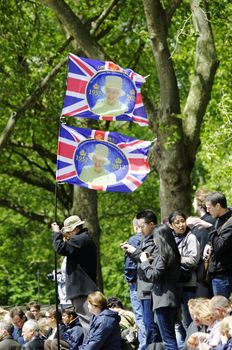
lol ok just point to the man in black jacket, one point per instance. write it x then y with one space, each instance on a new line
72 335
220 239
74 242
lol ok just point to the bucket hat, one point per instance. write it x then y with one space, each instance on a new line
71 223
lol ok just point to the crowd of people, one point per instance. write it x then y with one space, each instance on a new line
179 275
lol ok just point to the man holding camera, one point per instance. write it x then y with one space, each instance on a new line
74 242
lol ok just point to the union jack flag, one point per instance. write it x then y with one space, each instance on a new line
85 90
101 160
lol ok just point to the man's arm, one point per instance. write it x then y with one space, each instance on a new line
221 241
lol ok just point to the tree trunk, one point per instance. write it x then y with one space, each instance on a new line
85 206
178 138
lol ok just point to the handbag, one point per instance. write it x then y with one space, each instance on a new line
185 274
202 272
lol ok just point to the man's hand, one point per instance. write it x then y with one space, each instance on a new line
55 227
193 341
127 247
144 257
195 221
207 251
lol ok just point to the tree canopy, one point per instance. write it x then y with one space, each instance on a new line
182 47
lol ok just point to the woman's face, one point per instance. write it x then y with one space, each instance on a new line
94 310
179 225
194 316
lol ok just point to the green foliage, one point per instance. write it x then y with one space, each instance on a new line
26 258
32 43
214 162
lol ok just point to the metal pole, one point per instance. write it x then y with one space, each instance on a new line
55 268
38 281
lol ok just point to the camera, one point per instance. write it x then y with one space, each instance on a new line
50 276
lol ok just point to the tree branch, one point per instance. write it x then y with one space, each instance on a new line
75 27
175 4
156 23
15 116
42 151
31 162
22 211
201 85
39 180
27 176
102 17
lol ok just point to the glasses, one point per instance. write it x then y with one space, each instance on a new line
47 316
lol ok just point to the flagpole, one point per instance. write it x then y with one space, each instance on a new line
55 269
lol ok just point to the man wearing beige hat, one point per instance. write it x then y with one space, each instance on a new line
74 242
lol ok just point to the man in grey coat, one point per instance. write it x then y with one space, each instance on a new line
146 222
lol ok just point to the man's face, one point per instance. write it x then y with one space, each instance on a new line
17 321
35 312
66 318
68 235
145 228
27 333
213 210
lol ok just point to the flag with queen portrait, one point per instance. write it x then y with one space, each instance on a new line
103 91
101 160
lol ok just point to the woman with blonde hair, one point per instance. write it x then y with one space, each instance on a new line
202 340
104 331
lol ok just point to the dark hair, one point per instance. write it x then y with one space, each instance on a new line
114 302
30 315
33 304
148 216
174 214
17 311
217 197
165 243
70 312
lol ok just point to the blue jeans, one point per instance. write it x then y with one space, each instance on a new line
186 295
166 318
222 286
137 309
180 335
152 330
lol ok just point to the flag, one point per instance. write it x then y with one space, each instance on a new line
101 160
103 91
